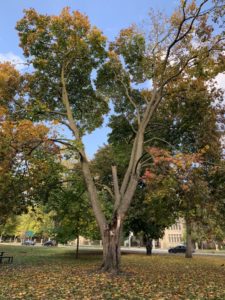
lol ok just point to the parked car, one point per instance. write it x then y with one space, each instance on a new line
178 249
28 243
49 243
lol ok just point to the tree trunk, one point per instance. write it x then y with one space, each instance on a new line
188 253
77 249
111 248
148 245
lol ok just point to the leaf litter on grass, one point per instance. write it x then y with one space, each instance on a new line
156 277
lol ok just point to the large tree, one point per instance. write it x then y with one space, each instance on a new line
67 53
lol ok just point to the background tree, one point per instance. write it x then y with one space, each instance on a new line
8 228
38 221
182 178
28 162
195 118
149 217
72 213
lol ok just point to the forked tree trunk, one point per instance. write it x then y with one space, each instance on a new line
188 253
122 194
111 249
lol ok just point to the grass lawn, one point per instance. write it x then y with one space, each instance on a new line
54 273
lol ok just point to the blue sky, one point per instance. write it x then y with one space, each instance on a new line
109 15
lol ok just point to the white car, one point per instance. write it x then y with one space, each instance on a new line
28 243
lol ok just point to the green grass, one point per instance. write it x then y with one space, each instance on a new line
54 273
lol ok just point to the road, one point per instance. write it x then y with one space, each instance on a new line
165 251
140 250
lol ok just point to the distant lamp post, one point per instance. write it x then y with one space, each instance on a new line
129 238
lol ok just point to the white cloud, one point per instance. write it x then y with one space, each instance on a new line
14 59
220 80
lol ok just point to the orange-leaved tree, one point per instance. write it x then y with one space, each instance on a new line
27 166
182 178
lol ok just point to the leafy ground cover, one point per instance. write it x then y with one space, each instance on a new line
54 273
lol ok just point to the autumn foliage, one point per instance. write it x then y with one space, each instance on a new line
180 164
25 149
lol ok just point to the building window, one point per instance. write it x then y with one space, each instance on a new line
175 238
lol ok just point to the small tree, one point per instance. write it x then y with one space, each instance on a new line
72 212
149 217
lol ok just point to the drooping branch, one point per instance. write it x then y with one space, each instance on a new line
35 147
64 142
108 189
159 139
140 160
53 112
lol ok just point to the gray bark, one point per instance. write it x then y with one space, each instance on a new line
111 247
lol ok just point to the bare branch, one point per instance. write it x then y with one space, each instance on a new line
67 125
179 72
179 37
159 139
128 96
35 147
63 142
131 101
